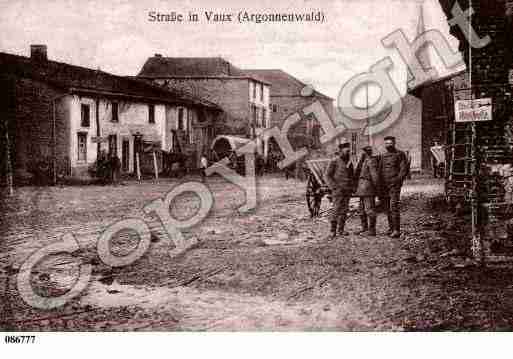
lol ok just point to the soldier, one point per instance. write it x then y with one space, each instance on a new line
114 167
367 189
339 177
393 169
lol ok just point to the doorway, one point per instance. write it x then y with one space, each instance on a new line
125 155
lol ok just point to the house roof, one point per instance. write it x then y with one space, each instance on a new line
415 91
191 67
283 84
78 79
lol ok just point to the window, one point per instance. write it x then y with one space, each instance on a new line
254 115
181 119
151 113
115 117
354 143
275 107
86 116
254 90
191 135
113 144
309 126
264 117
316 135
261 92
82 147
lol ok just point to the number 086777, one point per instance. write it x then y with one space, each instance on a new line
20 339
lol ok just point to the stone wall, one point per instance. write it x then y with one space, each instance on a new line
32 137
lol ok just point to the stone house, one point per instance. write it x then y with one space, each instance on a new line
61 115
244 99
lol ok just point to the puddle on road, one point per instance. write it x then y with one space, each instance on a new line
221 311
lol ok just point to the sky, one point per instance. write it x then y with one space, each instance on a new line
116 35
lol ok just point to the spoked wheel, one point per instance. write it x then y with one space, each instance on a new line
313 198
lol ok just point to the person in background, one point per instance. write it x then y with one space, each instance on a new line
102 166
203 166
115 167
340 179
393 169
367 180
437 159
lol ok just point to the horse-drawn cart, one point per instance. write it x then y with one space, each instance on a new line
316 186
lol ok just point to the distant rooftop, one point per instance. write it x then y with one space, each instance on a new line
283 84
81 79
191 67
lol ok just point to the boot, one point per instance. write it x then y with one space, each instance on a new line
341 225
372 226
391 226
333 230
365 225
397 227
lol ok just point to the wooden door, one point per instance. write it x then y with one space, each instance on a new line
125 155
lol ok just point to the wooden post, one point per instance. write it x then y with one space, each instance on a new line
54 145
477 240
8 109
155 166
138 168
9 175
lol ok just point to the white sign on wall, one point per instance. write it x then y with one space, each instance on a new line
477 110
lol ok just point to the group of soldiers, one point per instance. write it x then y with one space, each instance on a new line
375 176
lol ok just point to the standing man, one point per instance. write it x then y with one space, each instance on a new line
393 169
367 189
340 178
115 167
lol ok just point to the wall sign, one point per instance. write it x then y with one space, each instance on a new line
477 110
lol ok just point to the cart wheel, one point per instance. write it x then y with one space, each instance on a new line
313 199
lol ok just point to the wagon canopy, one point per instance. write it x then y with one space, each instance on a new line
223 144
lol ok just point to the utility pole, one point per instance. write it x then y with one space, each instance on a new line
7 108
9 174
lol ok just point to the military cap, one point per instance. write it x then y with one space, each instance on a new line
343 143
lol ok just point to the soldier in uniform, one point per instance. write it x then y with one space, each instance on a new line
393 169
340 178
367 189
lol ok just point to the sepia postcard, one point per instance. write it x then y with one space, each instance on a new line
271 166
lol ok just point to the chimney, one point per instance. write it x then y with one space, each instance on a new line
38 52
158 55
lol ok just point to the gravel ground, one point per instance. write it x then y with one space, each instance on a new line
271 269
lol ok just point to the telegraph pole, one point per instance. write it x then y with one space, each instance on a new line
9 174
6 110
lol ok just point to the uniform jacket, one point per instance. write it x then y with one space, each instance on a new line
340 176
368 178
393 167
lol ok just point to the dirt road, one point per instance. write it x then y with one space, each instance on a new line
271 269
